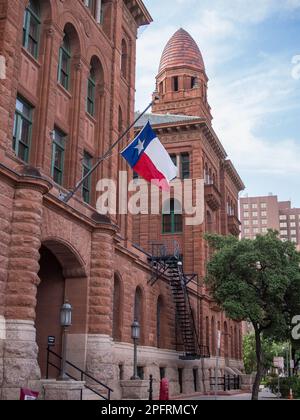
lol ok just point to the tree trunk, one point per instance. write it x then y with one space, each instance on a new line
260 366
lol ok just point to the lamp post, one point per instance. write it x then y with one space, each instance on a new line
219 335
65 322
135 335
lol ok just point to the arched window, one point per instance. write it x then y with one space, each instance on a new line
95 81
31 28
172 217
91 91
117 309
124 59
64 62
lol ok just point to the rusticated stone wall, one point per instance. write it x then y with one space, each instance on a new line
20 348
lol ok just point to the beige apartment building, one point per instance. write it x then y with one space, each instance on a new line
258 214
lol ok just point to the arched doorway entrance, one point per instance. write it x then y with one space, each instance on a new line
62 277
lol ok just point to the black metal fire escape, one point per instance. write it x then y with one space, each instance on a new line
166 261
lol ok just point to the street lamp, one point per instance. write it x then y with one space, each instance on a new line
135 335
65 322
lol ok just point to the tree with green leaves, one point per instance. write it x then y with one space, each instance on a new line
256 281
270 349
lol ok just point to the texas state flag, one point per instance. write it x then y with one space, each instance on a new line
149 159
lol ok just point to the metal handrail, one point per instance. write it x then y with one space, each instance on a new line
227 382
82 372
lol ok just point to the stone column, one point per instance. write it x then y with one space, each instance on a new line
6 202
20 349
99 346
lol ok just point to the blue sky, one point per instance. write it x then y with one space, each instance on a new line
252 55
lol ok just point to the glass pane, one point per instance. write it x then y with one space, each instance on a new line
59 138
64 62
57 176
167 223
174 159
58 158
177 223
23 108
87 161
185 166
32 47
90 107
23 152
25 131
33 5
86 196
91 90
33 28
64 80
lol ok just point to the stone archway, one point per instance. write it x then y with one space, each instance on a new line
62 276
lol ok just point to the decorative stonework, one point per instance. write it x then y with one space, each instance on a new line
24 254
101 283
20 368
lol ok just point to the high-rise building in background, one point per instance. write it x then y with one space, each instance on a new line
258 214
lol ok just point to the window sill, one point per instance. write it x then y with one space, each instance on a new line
90 117
31 57
64 90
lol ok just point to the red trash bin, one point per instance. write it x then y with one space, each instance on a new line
164 390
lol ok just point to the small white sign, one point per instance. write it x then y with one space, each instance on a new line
292 364
279 362
219 340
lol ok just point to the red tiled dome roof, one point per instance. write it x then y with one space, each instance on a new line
180 51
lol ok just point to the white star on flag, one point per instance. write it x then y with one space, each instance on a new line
140 146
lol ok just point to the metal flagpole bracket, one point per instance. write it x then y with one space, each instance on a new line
66 197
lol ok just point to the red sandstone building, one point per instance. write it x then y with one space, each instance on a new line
68 93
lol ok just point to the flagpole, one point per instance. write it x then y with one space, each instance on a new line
67 197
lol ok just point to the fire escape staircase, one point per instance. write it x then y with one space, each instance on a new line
166 261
